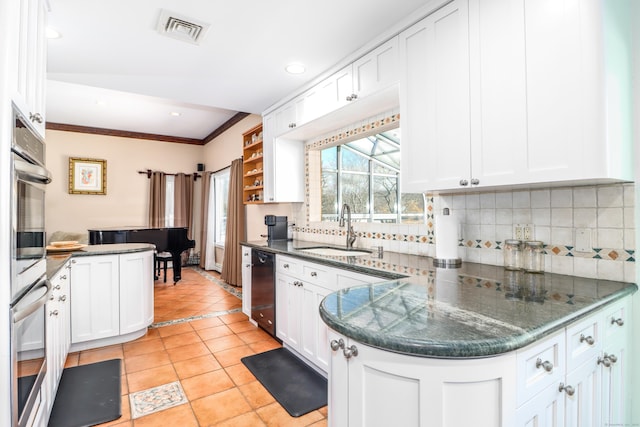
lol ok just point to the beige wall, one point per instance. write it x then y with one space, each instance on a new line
125 203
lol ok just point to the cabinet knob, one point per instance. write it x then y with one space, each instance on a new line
337 344
270 322
37 117
352 97
464 182
292 125
63 277
314 274
589 340
261 315
475 181
350 352
567 389
73 261
617 321
56 287
612 357
546 365
248 265
285 265
53 313
62 298
604 361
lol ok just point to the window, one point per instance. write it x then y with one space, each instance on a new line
169 215
365 174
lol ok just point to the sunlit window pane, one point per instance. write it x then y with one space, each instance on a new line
329 195
385 195
330 158
354 162
355 192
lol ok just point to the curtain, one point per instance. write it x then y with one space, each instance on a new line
183 206
232 262
204 216
157 192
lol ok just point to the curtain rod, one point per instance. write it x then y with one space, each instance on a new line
148 172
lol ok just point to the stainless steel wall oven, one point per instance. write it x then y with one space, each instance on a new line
29 285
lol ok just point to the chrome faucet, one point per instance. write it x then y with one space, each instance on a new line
351 235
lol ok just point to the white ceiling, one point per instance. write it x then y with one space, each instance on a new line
111 68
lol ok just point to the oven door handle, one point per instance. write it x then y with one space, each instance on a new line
32 307
31 173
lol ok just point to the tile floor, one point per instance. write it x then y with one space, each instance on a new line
202 355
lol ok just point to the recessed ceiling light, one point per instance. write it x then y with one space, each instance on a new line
53 34
295 68
175 114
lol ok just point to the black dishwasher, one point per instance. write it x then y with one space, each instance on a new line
263 290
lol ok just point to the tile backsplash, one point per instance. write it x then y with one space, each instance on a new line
603 215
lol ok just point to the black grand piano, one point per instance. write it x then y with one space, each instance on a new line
169 239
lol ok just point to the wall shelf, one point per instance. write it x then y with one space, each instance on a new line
253 166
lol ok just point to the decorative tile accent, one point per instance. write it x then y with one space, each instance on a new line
156 399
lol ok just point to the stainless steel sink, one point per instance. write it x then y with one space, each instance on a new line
331 251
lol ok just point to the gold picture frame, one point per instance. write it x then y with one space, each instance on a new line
87 176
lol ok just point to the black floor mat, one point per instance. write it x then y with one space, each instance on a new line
297 387
88 395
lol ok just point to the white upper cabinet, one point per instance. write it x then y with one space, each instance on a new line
547 97
376 70
30 60
434 100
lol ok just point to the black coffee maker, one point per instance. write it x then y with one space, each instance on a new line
276 227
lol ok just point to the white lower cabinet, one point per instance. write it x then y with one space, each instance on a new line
300 287
576 377
111 295
95 293
136 296
246 280
372 387
58 332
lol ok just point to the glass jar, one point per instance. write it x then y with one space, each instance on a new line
512 254
534 257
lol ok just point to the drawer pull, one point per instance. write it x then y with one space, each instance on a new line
588 339
314 274
261 315
285 265
546 365
617 321
567 389
270 322
337 344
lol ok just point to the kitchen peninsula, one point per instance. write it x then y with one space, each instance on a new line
477 345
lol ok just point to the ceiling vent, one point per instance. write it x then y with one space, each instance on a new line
180 27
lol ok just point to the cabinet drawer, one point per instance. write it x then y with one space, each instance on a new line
319 275
539 366
615 320
288 265
584 341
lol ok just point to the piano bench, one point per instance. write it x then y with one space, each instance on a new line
163 259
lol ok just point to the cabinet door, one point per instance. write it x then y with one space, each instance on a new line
29 95
285 118
583 402
95 293
284 175
546 409
376 70
427 391
434 100
314 341
246 280
498 92
561 89
616 404
136 291
288 309
336 89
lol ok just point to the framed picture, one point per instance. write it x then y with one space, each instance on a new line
87 176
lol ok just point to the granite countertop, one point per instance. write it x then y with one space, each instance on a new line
56 260
476 310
